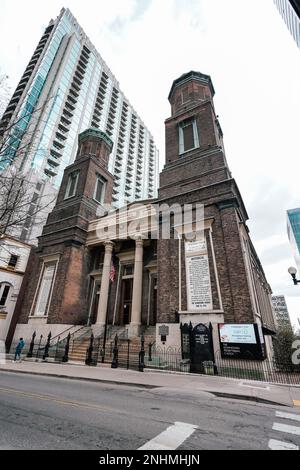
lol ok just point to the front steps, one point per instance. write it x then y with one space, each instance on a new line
132 359
78 348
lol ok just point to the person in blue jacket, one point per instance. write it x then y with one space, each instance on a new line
19 349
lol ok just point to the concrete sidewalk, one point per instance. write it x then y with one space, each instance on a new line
220 386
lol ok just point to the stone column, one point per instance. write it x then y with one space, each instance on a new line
104 290
136 311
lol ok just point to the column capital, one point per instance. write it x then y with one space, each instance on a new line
109 246
139 242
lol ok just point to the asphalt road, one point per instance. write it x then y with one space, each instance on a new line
49 413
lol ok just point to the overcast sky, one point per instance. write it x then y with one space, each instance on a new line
255 67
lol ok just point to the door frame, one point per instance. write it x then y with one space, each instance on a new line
122 300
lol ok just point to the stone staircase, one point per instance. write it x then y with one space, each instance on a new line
79 346
134 347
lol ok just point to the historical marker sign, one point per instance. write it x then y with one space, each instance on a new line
199 294
163 330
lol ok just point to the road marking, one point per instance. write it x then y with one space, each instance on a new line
279 445
171 438
296 402
286 428
56 400
281 414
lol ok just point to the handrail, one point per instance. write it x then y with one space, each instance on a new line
65 331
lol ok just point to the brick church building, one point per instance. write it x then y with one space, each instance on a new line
97 267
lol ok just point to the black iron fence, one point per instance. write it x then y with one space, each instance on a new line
269 371
125 353
265 371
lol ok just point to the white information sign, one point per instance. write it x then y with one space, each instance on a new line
199 294
241 334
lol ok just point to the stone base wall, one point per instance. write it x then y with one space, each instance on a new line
26 331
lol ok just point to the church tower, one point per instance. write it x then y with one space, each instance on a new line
57 290
221 279
195 155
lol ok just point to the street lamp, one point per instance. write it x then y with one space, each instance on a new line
293 272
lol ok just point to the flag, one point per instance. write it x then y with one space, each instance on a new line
112 274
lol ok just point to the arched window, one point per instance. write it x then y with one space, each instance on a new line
5 291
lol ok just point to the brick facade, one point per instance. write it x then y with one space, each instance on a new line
240 292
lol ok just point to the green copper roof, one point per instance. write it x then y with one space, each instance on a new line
92 132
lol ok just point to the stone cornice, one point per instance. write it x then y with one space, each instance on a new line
192 75
5 270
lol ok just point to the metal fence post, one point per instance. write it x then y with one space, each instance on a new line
150 352
66 354
38 349
115 363
31 347
128 352
56 350
89 352
46 351
142 355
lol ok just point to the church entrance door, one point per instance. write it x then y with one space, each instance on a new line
126 301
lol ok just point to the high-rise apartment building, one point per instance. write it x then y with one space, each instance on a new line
290 11
293 228
66 88
281 311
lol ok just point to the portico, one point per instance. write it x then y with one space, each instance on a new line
124 285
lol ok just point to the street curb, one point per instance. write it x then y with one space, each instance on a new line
249 398
87 379
145 386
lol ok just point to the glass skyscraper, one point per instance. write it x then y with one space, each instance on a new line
293 226
66 88
290 11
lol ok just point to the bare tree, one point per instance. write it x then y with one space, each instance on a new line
19 202
4 92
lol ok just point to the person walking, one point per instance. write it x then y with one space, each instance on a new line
19 349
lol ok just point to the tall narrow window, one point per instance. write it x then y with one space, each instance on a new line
188 136
99 189
72 184
185 95
45 289
4 291
13 262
